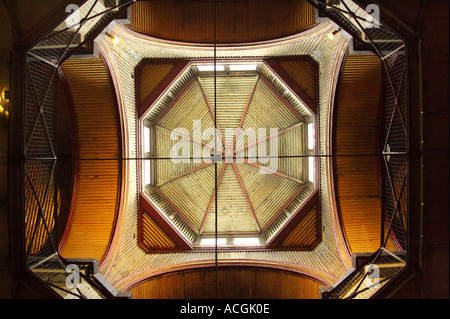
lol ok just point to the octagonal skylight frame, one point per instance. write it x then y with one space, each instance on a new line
205 66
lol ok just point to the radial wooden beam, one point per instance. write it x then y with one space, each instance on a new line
211 111
284 207
273 171
245 111
247 199
211 202
175 100
186 173
283 100
268 136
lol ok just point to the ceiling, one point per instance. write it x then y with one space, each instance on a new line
180 201
409 13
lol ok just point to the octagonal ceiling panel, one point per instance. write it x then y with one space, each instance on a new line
251 192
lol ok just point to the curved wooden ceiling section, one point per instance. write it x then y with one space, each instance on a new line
233 282
237 21
98 167
357 117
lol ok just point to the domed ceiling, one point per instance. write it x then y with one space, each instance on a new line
232 135
270 103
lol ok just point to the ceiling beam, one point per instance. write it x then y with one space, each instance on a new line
211 202
185 173
247 199
282 99
273 171
267 137
245 111
211 111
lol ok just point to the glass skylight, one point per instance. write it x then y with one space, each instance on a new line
243 67
245 241
311 136
212 241
311 168
146 139
147 172
210 67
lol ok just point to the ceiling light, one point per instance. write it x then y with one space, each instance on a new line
114 39
5 95
332 34
243 67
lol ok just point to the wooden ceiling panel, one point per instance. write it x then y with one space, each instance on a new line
306 233
190 195
238 21
304 72
233 282
192 104
98 182
357 178
152 235
232 97
269 110
149 76
267 192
